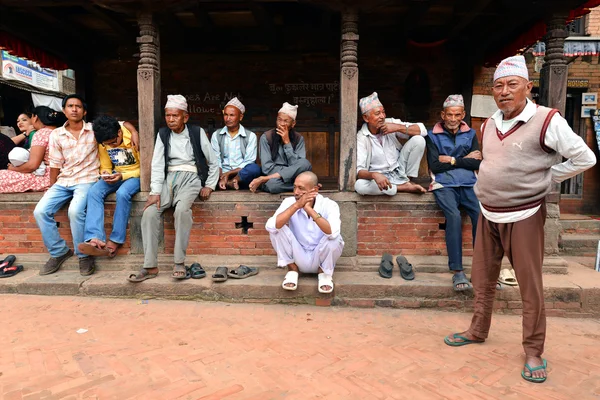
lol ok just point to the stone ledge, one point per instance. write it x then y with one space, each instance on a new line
246 196
576 294
421 264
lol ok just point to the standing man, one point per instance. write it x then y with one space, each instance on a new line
235 148
519 147
282 154
305 232
384 165
453 156
73 159
183 165
120 174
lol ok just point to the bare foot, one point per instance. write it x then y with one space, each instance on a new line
97 243
535 362
112 248
410 187
233 184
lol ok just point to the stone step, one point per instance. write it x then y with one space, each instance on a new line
580 226
574 294
422 264
579 244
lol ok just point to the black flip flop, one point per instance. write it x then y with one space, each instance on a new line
7 272
406 268
386 266
220 274
7 262
460 279
196 271
242 272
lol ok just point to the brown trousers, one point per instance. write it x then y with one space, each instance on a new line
523 244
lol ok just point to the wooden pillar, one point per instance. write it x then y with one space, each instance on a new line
148 83
348 99
553 93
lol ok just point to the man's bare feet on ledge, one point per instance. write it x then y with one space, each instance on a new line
410 187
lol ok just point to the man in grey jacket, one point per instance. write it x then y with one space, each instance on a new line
282 154
183 166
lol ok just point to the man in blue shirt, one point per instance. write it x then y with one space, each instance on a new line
453 156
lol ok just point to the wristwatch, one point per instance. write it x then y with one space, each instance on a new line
453 161
317 217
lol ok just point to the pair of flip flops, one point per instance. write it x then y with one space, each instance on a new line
241 272
386 266
194 271
7 269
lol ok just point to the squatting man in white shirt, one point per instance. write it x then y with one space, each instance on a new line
305 233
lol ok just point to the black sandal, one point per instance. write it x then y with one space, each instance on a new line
386 266
196 271
220 274
242 272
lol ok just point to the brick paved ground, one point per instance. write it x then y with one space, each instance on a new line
206 350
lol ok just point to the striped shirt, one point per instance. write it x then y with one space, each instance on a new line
77 159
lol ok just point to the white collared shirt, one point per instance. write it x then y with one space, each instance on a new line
560 138
232 149
384 153
306 231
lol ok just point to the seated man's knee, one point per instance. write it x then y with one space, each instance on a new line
40 212
418 142
75 213
360 186
304 165
123 195
182 211
453 216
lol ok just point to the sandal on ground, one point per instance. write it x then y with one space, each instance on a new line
141 276
507 277
531 370
463 340
7 262
91 250
406 269
290 277
7 272
177 269
325 280
460 279
220 274
196 271
242 272
386 266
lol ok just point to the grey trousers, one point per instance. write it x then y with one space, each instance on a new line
288 175
409 161
180 189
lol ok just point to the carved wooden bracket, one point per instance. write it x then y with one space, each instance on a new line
349 72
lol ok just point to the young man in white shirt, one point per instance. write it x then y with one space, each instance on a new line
305 232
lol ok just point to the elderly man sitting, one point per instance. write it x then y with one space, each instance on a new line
384 165
305 232
183 165
235 148
453 156
282 154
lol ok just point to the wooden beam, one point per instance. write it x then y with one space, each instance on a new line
115 25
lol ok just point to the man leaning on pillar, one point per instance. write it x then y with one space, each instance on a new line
520 143
183 166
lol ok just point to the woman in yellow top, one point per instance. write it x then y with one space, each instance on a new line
120 173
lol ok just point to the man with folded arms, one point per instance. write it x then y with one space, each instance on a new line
235 148
520 145
305 233
183 166
453 156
